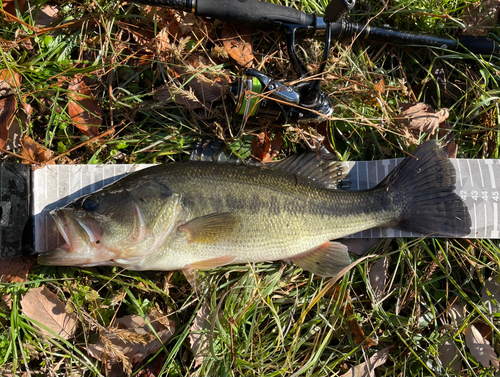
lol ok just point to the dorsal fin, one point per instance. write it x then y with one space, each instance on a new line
319 168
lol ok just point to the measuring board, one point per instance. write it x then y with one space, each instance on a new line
56 185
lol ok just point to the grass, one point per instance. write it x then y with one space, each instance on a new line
262 319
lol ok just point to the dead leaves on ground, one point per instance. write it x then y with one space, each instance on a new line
198 333
477 338
480 17
11 7
8 107
10 80
34 152
357 332
83 108
264 149
421 117
378 277
238 44
15 270
480 348
367 369
44 307
132 340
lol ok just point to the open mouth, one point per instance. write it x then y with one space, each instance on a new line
77 233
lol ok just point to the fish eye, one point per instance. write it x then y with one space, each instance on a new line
90 203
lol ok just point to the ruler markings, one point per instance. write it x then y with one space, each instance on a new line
489 163
494 232
480 172
457 166
470 173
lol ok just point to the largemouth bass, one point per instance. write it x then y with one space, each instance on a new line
201 215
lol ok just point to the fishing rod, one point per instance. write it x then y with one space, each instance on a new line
304 102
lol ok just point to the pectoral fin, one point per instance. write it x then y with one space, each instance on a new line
211 229
326 260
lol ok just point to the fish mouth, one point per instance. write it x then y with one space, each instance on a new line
77 232
82 241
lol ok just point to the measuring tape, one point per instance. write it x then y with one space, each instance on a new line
56 185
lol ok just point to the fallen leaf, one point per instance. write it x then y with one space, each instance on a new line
238 43
198 333
456 313
34 152
43 306
420 116
132 340
83 108
6 301
5 307
449 145
481 17
355 329
8 107
152 368
448 355
15 270
9 81
380 87
10 6
490 294
360 246
367 369
480 348
377 276
46 15
264 149
163 41
162 93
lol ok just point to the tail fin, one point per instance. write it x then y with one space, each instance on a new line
425 182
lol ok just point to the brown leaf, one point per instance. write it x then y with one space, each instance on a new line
163 41
44 307
132 339
10 6
360 246
421 117
46 15
263 149
480 17
355 329
9 81
238 43
449 145
83 108
367 369
199 332
480 348
380 87
490 294
34 152
448 353
8 107
377 276
15 270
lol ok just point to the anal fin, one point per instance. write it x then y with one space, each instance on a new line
211 263
191 274
325 260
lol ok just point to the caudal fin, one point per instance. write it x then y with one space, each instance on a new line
425 183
